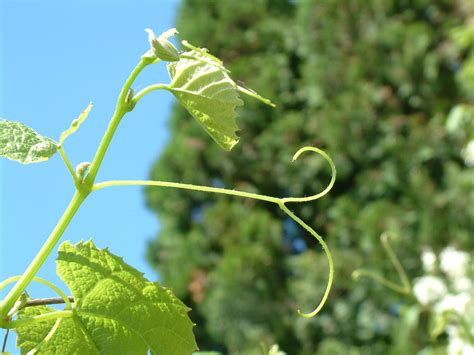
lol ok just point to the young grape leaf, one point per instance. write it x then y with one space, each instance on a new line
20 143
75 124
203 86
116 310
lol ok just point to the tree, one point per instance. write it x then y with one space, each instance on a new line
371 82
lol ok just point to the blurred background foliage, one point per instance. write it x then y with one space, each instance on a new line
386 88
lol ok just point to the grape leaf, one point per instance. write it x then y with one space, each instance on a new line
75 124
20 143
203 86
116 310
60 336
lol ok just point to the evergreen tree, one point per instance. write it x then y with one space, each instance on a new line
371 82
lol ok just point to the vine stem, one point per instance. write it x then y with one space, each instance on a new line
82 191
43 254
121 109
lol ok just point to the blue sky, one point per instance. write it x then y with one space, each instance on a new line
56 56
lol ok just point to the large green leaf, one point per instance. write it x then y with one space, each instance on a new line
116 310
203 86
21 143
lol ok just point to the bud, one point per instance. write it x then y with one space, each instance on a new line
81 169
161 47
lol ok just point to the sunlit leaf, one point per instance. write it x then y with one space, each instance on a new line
116 311
20 143
203 86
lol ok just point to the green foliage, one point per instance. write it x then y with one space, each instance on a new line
373 82
203 86
116 310
21 143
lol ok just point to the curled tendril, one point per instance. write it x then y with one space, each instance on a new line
327 189
281 202
56 289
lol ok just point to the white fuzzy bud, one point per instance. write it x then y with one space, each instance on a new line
161 47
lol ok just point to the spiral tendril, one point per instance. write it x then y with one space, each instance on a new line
281 202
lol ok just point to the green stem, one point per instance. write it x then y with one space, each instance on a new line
68 165
177 185
37 319
82 191
147 90
43 254
121 109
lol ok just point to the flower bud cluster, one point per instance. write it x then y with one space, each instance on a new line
448 290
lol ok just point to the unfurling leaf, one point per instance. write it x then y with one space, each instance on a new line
75 124
116 311
203 86
20 143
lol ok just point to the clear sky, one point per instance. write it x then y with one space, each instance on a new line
56 56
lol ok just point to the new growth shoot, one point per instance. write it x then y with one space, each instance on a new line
113 308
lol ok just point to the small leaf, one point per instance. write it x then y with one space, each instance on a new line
203 86
20 143
75 124
116 310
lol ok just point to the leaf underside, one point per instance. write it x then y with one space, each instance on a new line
202 85
116 311
20 143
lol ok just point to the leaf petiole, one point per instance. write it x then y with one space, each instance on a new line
147 90
68 165
37 319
